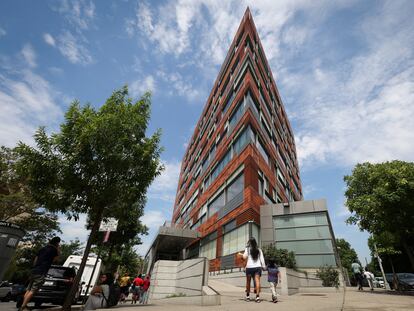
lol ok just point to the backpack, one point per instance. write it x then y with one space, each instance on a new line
114 295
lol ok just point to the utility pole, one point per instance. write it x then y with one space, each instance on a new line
386 286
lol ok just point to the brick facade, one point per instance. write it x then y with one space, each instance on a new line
245 83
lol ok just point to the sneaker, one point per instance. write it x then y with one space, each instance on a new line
258 299
247 298
24 309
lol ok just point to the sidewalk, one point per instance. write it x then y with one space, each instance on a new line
379 300
321 299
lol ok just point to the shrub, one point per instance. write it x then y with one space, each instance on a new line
282 257
329 276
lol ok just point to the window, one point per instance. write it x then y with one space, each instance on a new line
216 204
262 151
237 114
235 240
208 246
308 235
209 250
235 187
241 141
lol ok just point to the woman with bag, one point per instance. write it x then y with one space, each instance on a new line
254 266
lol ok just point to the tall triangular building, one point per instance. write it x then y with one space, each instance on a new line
242 155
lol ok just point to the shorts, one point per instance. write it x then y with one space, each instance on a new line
35 282
254 271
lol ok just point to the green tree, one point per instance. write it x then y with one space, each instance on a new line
381 200
347 254
329 276
282 257
100 163
73 247
18 207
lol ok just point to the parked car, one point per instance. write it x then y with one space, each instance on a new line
5 291
379 282
17 290
405 281
54 290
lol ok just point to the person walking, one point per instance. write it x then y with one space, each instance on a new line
357 269
273 277
254 266
370 278
124 283
98 294
145 287
136 291
42 262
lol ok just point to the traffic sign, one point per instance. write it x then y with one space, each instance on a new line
108 224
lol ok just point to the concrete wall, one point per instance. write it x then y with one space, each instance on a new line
292 281
185 277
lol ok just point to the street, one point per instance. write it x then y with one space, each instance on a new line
11 306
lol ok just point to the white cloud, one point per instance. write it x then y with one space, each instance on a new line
164 186
2 32
180 85
73 50
49 39
169 28
29 55
153 219
72 230
360 110
139 87
27 101
79 13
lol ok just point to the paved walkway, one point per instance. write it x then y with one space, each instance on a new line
353 300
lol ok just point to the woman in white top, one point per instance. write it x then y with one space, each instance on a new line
254 266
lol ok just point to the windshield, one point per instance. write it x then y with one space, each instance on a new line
62 273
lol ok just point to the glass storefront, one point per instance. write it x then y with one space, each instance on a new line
308 236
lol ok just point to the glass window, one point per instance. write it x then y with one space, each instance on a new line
300 220
216 204
237 114
235 187
256 233
315 260
307 247
262 151
235 240
303 233
209 250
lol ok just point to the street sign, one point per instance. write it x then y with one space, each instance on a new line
108 224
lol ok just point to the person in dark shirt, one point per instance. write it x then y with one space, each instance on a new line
44 259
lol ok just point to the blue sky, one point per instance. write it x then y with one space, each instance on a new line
344 69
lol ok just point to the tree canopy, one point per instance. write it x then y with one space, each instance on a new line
17 206
100 163
381 200
347 254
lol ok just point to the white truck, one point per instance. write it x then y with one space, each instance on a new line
75 261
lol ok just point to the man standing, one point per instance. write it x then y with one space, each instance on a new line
44 259
356 269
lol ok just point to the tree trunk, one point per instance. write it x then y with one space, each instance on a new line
409 253
75 286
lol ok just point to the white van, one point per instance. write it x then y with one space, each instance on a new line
75 261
